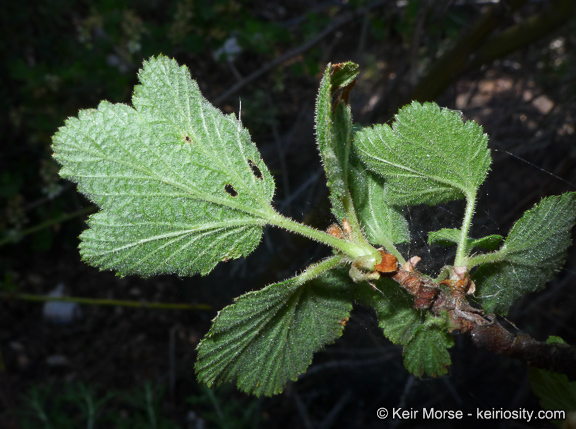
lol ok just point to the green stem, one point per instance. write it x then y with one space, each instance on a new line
318 268
486 258
461 253
114 302
353 249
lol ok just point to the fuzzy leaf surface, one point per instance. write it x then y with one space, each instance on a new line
428 156
533 252
268 337
180 185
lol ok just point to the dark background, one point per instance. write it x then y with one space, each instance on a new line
509 65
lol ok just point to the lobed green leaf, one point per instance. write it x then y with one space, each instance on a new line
268 337
533 252
180 185
428 156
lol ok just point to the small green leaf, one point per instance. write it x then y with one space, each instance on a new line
180 185
267 338
448 237
428 156
427 351
553 339
451 236
334 134
533 252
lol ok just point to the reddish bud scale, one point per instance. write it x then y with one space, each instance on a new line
389 263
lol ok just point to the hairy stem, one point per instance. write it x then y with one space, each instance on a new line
353 249
486 258
461 252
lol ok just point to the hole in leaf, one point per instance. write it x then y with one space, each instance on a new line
187 139
255 170
230 190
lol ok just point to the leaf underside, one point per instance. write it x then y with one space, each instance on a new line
428 156
180 185
533 252
268 337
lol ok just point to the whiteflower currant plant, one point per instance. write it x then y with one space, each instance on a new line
181 186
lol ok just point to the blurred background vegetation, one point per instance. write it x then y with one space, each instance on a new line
510 65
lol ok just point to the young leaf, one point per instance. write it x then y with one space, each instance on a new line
267 338
334 132
427 351
355 194
451 236
533 252
428 156
180 185
448 237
